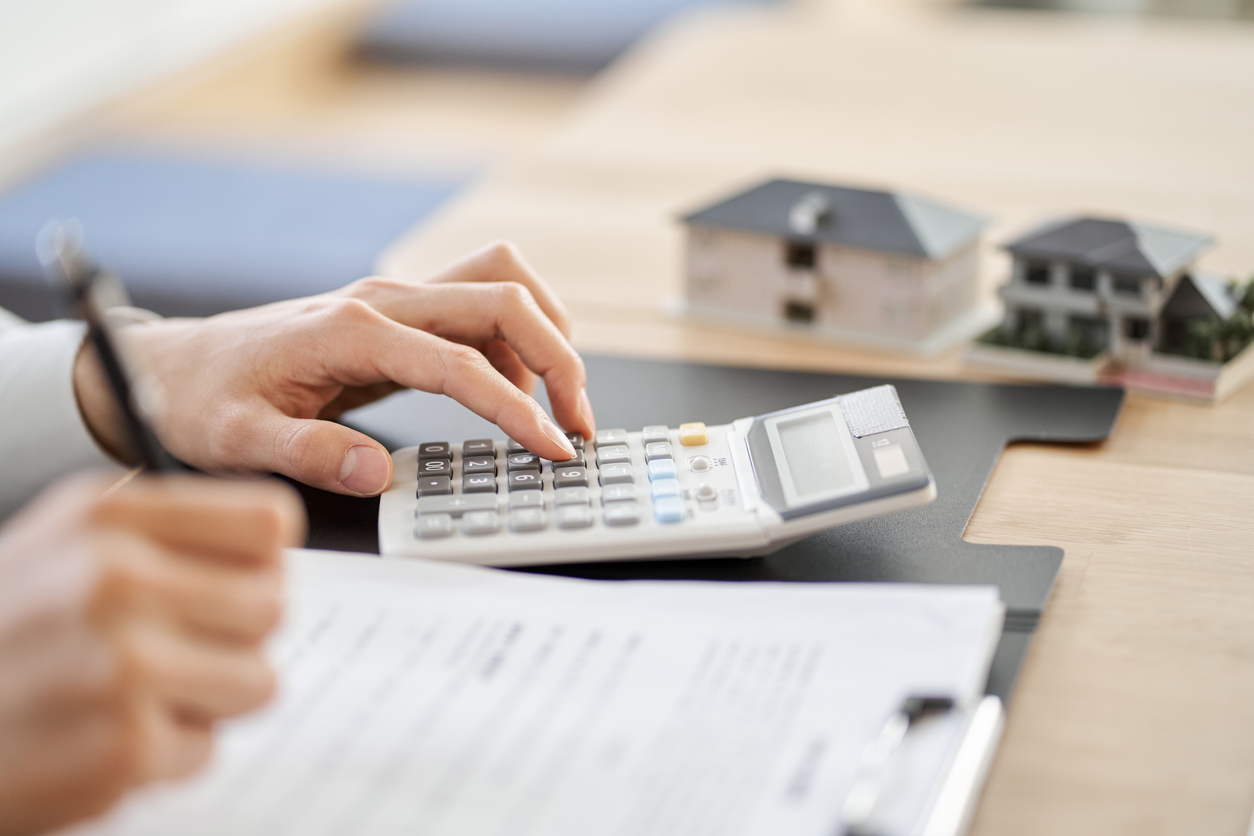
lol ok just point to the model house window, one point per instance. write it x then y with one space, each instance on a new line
800 255
1084 279
1036 272
1030 319
1136 328
795 311
1126 285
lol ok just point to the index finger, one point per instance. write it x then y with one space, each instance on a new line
242 520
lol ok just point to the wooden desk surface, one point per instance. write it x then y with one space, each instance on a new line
1135 710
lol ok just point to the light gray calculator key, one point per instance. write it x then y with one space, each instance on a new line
526 519
612 455
618 493
621 513
657 450
567 496
616 474
434 526
655 433
457 504
477 523
606 438
526 499
573 516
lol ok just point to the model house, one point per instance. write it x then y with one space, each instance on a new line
1098 300
879 267
1089 285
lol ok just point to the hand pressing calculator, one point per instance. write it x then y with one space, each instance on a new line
740 489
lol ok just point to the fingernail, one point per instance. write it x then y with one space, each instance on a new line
586 406
551 430
365 470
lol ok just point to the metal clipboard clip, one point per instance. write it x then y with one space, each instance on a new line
954 790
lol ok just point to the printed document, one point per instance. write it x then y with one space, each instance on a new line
421 698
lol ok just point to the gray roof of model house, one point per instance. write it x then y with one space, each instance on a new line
1200 296
888 222
1123 246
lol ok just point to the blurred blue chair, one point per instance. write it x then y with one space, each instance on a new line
193 237
571 36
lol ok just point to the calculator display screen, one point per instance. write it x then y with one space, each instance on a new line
815 452
813 457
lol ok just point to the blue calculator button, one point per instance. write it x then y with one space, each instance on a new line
665 487
662 469
669 509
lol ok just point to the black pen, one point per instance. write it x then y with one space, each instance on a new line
67 265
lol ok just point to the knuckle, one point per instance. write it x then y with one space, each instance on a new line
503 253
296 444
371 287
462 359
349 310
514 296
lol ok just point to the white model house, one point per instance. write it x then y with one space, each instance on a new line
879 267
1105 284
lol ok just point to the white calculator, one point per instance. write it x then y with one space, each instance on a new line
740 489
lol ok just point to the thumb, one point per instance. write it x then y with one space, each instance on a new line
326 455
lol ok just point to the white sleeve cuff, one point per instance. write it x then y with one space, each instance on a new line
42 434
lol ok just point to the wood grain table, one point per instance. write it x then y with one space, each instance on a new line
1135 710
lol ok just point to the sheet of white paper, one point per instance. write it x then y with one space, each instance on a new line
435 699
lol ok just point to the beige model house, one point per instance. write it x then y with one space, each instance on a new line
883 268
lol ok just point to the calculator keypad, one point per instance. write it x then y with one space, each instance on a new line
481 488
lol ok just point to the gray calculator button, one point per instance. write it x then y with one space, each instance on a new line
526 499
576 440
612 455
457 504
522 461
478 447
616 474
569 477
434 526
621 513
570 496
435 467
573 516
479 464
521 480
434 450
577 461
513 446
526 519
481 522
435 486
473 483
606 438
655 433
618 493
657 450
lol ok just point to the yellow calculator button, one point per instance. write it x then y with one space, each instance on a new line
692 435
